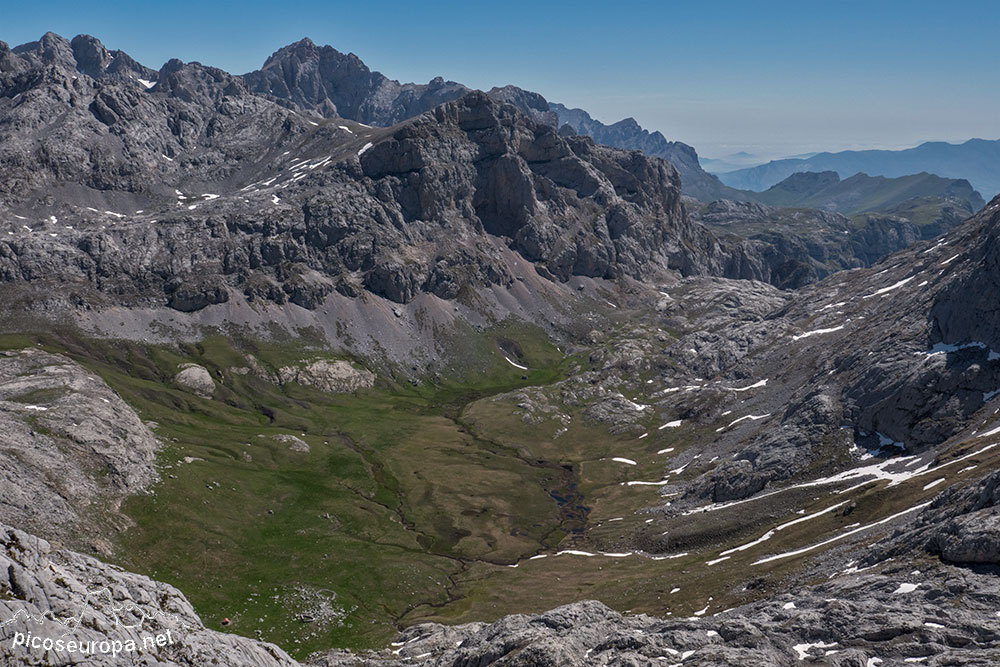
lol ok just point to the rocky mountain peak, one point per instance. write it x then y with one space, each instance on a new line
627 133
533 104
196 83
303 49
321 79
9 62
629 125
85 54
91 57
51 49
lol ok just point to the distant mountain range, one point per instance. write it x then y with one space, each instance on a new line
862 193
976 160
732 162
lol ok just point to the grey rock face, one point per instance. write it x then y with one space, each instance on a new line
457 183
196 379
803 245
70 445
799 247
39 582
736 480
331 376
960 526
532 104
223 207
628 134
962 313
295 444
118 139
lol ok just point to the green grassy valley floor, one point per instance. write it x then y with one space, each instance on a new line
427 502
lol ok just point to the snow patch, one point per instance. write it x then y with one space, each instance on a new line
817 331
755 385
802 650
945 348
662 482
769 534
515 365
993 431
799 552
745 417
886 290
620 459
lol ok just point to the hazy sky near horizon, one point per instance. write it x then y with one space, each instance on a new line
772 78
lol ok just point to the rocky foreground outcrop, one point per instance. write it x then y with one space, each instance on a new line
195 379
43 589
71 448
333 376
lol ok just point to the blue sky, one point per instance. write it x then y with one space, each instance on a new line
775 78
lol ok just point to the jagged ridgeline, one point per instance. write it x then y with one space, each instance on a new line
324 361
276 205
